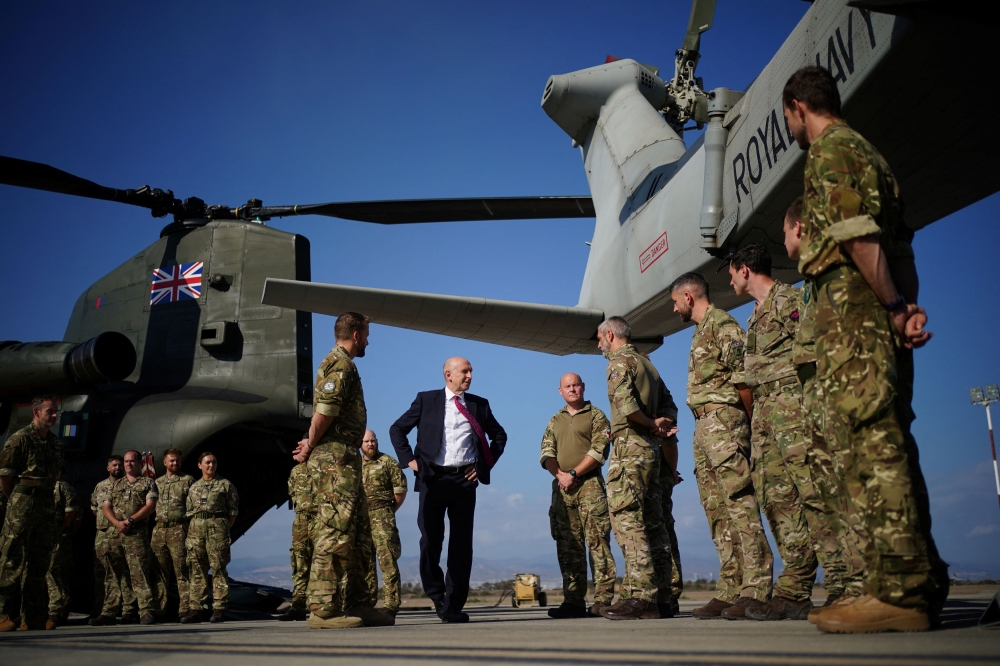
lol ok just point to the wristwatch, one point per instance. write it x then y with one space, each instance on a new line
130 521
572 473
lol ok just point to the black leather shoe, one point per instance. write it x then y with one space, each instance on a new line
451 616
666 610
568 611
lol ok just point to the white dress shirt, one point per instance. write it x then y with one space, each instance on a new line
458 444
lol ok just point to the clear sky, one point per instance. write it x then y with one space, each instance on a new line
333 101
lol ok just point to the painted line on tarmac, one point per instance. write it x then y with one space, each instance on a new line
509 654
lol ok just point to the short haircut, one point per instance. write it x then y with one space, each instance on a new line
794 212
618 326
205 454
814 87
115 457
172 452
696 283
39 400
137 454
348 324
755 257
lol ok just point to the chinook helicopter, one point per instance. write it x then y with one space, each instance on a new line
203 339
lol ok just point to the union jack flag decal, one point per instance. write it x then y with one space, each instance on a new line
176 283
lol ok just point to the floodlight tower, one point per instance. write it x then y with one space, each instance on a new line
992 394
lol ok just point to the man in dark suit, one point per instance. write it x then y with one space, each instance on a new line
451 458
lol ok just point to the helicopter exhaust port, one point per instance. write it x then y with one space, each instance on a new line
59 366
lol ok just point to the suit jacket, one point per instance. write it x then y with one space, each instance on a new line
427 415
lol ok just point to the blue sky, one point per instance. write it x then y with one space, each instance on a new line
331 101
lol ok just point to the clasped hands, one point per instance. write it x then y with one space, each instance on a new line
909 321
302 451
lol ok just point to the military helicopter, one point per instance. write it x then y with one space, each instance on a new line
203 340
664 208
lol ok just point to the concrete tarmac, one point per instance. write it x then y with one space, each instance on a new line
506 635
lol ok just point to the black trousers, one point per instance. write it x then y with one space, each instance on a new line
455 495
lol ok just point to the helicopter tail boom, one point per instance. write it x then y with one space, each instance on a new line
554 329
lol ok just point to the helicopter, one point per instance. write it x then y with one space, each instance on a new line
203 339
664 208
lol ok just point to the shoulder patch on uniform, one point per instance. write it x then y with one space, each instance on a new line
794 316
614 375
328 386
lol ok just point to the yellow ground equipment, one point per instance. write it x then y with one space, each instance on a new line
527 590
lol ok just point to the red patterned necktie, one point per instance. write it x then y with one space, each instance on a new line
487 454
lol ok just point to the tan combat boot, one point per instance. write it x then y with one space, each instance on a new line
8 624
323 618
815 613
868 615
370 616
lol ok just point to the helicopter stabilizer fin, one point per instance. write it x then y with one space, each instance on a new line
555 329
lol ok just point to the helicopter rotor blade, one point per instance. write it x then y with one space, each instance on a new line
37 176
702 14
443 210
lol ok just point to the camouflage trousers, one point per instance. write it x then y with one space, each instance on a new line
581 525
26 541
676 574
635 501
111 590
721 446
60 572
301 554
170 559
342 551
857 370
840 534
387 549
779 473
130 558
207 547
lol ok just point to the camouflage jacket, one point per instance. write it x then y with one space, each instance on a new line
634 385
66 501
172 503
849 193
35 460
716 361
102 492
217 497
301 488
383 479
771 332
339 394
127 498
570 437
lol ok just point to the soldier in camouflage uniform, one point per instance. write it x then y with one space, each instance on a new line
301 490
781 442
67 517
856 255
338 593
109 588
385 490
30 465
131 502
212 507
574 447
170 533
638 400
840 536
722 451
